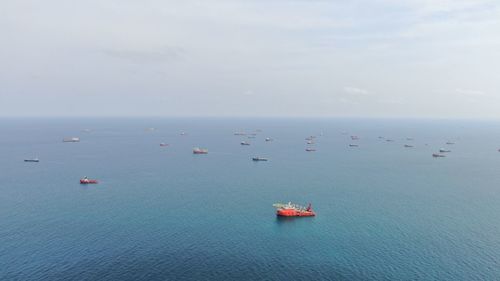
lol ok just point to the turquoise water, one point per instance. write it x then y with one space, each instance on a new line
384 212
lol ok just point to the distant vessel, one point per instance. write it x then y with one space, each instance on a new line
293 210
449 142
72 139
251 137
198 150
435 155
259 159
163 144
269 139
408 145
410 139
354 138
310 142
309 149
353 145
389 140
32 160
244 143
240 134
183 133
444 150
86 180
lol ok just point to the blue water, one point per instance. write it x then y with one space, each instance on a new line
385 212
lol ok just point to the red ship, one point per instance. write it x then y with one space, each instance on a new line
293 210
86 180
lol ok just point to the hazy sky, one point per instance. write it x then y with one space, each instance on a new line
380 58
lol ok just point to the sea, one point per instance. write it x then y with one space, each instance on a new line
383 211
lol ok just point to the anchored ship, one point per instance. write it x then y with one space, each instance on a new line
86 180
198 150
73 139
293 210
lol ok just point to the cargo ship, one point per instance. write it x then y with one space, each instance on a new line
73 139
293 210
198 150
86 180
259 159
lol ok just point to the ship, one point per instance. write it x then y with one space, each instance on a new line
444 150
86 180
354 138
32 160
436 155
72 139
269 139
408 145
163 144
353 145
450 143
310 142
244 143
310 149
198 150
259 159
293 210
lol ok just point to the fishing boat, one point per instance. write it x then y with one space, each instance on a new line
259 159
86 180
436 155
72 139
244 143
198 150
32 160
293 210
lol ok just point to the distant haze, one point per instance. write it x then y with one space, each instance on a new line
373 58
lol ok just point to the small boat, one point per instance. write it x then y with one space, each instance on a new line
183 133
198 150
32 160
450 143
244 143
163 144
259 159
444 150
353 145
354 138
293 210
310 149
310 142
86 180
310 138
436 155
408 145
389 140
72 139
239 134
269 139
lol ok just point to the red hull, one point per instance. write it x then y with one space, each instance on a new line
87 181
294 213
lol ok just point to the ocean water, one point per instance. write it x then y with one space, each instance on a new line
384 212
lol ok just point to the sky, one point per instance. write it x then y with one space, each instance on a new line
244 58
